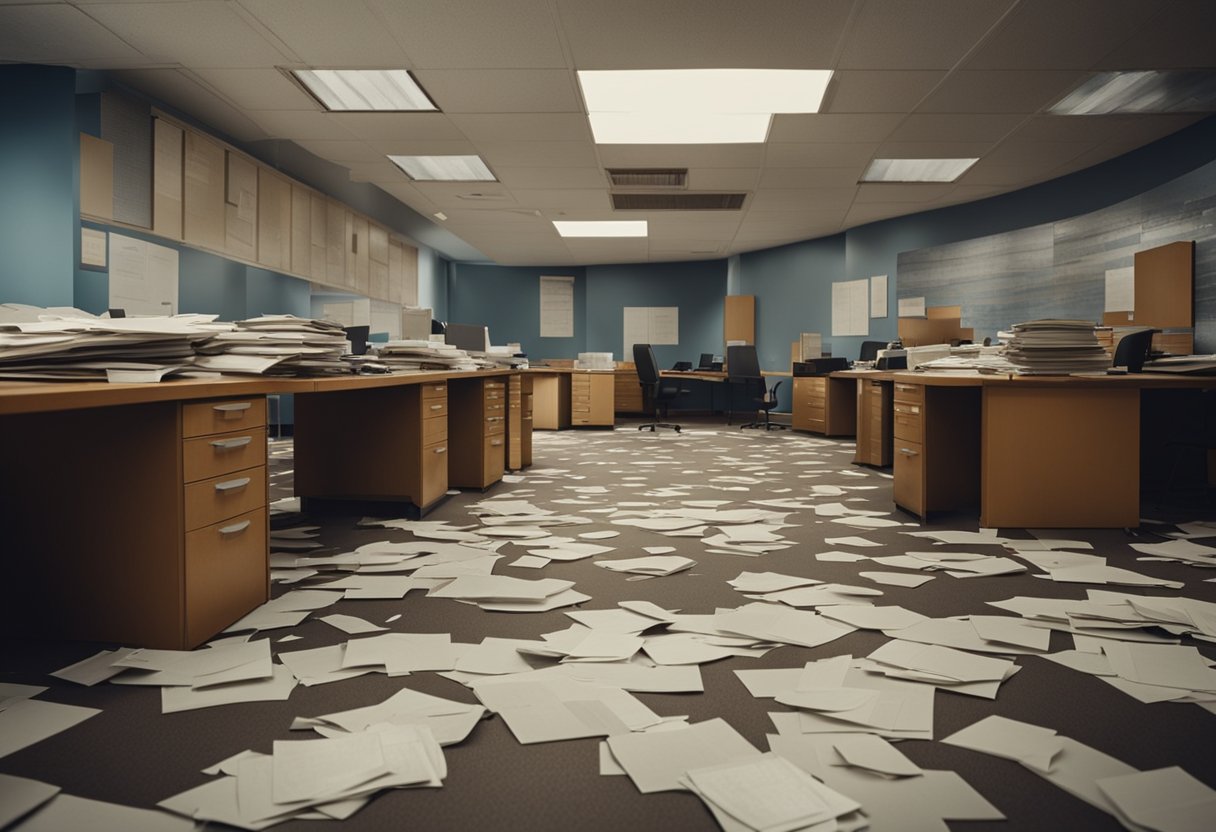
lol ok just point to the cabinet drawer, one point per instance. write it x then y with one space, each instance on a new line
495 424
435 406
907 421
435 391
910 393
210 456
434 429
222 416
225 573
908 486
497 408
218 498
434 472
494 459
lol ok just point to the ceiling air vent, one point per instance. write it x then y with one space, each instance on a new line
648 177
678 202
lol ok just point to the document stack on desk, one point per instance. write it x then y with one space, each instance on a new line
280 345
1055 347
411 356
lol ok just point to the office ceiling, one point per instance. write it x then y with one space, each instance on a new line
913 79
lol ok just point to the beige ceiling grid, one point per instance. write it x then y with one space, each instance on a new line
913 79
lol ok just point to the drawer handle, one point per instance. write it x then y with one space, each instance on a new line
495 442
909 452
442 450
438 389
235 527
232 485
436 407
232 407
230 444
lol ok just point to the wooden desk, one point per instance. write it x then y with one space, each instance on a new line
1038 452
823 405
134 513
564 397
874 413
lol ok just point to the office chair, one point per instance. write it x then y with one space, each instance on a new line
1133 349
743 368
661 391
869 350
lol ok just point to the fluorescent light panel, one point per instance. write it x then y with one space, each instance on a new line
696 106
365 89
444 168
1148 91
916 170
601 228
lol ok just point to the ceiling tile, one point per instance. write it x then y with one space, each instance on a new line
819 154
398 126
1000 91
551 178
196 35
862 213
917 34
927 127
501 90
538 154
61 34
301 124
1009 177
1048 34
553 201
422 147
342 151
695 34
828 127
1016 152
722 179
513 127
933 150
685 156
176 88
880 91
802 199
330 33
810 177
1178 37
381 170
467 34
888 192
257 89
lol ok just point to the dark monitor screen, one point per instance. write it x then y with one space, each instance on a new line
468 337
118 313
357 335
869 350
707 360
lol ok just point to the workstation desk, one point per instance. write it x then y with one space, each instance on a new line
715 378
566 397
1030 451
138 513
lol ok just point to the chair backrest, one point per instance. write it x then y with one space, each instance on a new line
1133 349
869 350
707 361
647 367
742 362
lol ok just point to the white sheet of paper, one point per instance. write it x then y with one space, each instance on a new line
896 578
67 811
275 689
28 721
876 754
19 796
656 761
352 624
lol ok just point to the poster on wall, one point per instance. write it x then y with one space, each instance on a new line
878 296
851 307
556 307
649 325
912 307
1121 290
143 277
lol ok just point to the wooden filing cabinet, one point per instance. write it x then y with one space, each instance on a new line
874 422
161 536
551 400
627 391
936 447
478 415
375 444
519 422
824 405
591 399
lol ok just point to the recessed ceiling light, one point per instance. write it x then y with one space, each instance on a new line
696 106
439 215
1148 91
916 170
364 89
444 168
600 228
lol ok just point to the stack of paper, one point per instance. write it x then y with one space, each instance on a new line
942 667
277 345
653 565
501 593
1055 347
411 356
450 722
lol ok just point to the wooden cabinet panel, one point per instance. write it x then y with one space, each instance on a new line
226 569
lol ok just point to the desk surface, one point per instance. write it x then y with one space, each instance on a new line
1085 381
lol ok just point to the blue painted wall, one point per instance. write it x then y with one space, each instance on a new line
507 299
39 166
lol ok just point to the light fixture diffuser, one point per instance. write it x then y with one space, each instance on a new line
696 106
365 89
601 228
444 168
916 170
1148 91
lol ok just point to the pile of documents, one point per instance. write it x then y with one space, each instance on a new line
1055 347
411 356
281 345
72 345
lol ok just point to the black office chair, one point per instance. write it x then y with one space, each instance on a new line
661 391
1133 349
869 350
743 369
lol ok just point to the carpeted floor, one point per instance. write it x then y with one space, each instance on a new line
132 754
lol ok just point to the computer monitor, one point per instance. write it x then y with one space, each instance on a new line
117 313
438 327
357 335
468 337
707 361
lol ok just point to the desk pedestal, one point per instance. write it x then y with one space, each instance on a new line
1056 459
